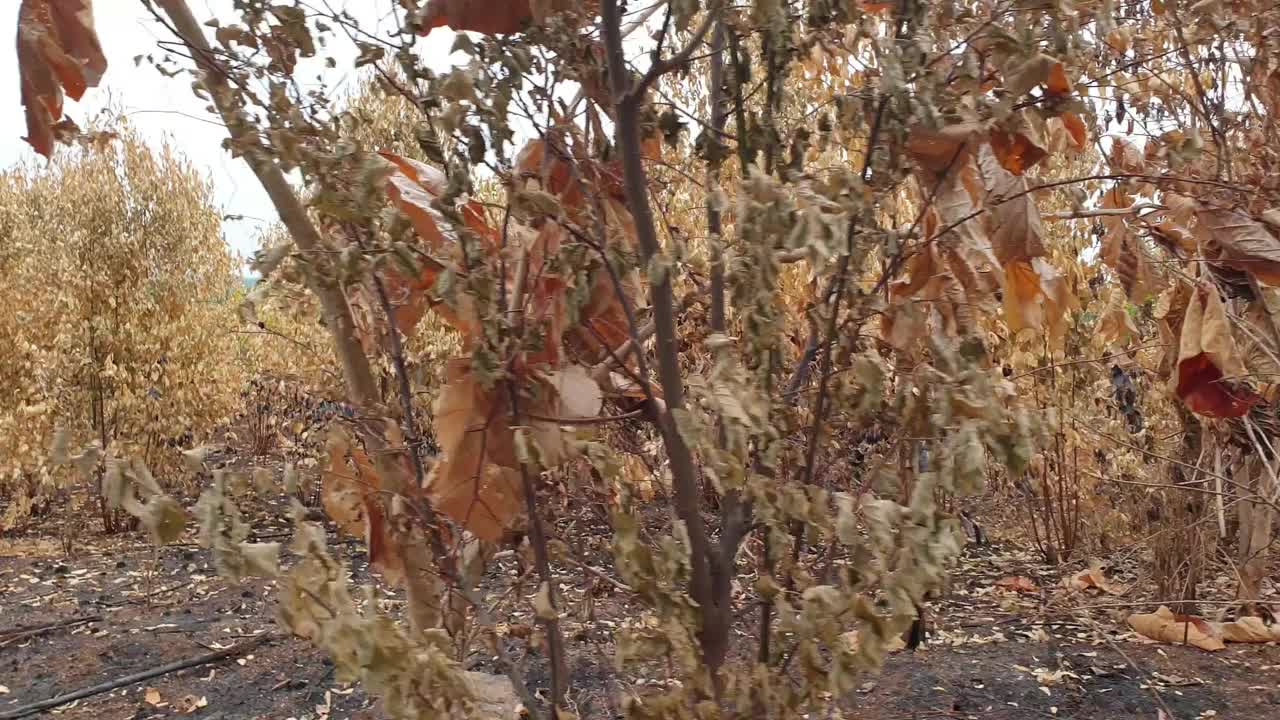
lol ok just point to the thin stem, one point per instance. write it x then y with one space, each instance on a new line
684 473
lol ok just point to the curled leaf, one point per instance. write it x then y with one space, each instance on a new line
1165 626
1013 220
1207 356
947 148
58 51
1019 143
1247 244
1075 129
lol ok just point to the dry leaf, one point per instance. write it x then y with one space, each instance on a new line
947 148
1092 577
1019 143
1206 356
1075 129
1013 220
352 498
1115 325
1249 630
1124 157
1018 583
1164 626
151 696
475 482
1036 297
495 17
58 50
1039 70
1247 244
579 394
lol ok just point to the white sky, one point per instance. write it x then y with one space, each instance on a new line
161 107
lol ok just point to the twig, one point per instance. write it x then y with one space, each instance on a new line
597 572
41 706
12 634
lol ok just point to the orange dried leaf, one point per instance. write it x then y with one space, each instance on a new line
1056 83
352 499
1249 630
495 17
490 17
1036 297
944 149
475 482
1075 129
1092 578
1166 627
58 50
412 188
1123 157
1016 151
1206 356
1018 583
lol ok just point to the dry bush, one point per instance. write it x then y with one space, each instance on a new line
119 296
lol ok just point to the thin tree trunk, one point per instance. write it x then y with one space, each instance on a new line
361 384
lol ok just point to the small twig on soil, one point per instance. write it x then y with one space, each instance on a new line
39 707
597 572
1155 694
20 632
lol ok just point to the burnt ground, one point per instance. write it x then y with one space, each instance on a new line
993 652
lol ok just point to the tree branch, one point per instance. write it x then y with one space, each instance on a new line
684 473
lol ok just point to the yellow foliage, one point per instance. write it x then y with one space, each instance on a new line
119 308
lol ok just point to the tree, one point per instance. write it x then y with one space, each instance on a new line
903 182
120 288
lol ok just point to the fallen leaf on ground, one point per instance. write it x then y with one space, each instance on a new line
1249 630
151 696
1164 626
1018 583
1092 577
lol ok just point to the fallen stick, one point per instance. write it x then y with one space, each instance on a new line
17 633
41 706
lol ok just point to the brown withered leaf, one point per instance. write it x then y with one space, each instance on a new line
1165 626
1124 158
1036 297
495 17
1013 220
1092 578
581 185
1207 359
472 482
352 498
1247 244
1019 584
1115 326
1076 129
1024 76
1122 249
1019 143
944 149
412 187
58 50
1249 630
478 481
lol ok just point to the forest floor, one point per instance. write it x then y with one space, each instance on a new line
1007 641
